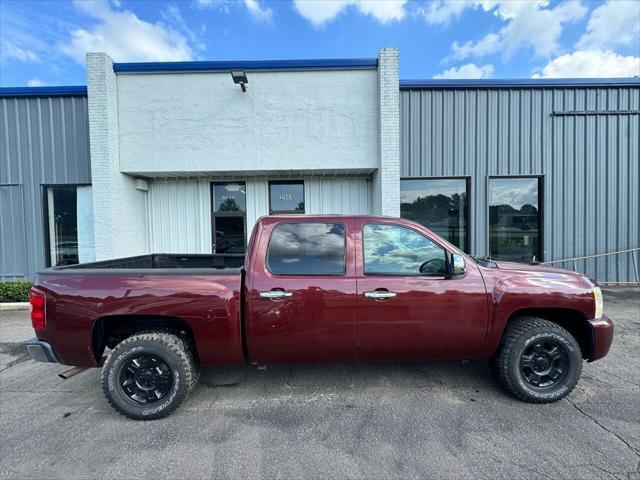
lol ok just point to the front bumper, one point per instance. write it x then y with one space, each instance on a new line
601 330
40 351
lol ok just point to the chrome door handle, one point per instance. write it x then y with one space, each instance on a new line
379 294
275 294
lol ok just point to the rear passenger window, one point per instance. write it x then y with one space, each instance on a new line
307 249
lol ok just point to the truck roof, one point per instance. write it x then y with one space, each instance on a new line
307 216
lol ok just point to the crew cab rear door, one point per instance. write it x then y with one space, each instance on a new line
408 308
302 291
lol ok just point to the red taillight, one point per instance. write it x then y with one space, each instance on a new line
37 301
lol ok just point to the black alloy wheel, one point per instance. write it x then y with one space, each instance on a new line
544 363
146 379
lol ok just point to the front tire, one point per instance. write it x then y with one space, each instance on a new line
537 361
148 375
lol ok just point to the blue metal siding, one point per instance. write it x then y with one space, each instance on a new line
521 83
589 161
43 141
12 233
32 92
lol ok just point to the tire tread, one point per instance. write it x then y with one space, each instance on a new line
170 341
515 330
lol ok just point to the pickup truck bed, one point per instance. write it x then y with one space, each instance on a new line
198 292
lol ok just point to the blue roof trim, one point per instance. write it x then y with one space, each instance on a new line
521 83
253 65
72 91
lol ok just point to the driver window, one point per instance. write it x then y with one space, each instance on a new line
395 250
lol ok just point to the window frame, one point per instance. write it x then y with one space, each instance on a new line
287 182
467 214
438 276
238 213
344 264
45 214
541 184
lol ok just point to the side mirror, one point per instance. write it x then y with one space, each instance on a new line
458 264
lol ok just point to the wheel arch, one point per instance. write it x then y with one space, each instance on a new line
574 321
110 330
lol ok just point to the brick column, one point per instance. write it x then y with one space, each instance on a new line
386 181
119 210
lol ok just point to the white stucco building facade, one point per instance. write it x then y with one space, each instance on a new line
170 143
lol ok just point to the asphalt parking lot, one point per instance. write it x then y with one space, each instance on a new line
417 420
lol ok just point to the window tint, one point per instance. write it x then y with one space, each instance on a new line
229 197
514 218
438 204
62 216
390 249
229 205
307 249
286 197
229 234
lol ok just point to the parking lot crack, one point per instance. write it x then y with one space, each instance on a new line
617 376
593 419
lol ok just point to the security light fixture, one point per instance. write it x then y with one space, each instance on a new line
240 77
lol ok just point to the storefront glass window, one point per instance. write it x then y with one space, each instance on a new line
229 217
286 197
62 220
441 205
514 219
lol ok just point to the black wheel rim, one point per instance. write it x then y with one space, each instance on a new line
544 363
145 378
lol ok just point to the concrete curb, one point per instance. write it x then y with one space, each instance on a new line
8 307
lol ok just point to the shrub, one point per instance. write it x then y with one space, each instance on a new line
15 291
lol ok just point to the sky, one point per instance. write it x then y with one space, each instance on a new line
44 42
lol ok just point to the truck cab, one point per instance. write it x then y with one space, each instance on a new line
359 289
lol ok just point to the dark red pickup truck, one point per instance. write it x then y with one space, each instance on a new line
316 289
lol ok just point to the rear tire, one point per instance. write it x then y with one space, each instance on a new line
537 361
148 375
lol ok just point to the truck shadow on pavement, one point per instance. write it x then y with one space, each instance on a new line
464 379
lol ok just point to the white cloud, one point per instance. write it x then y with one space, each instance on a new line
615 23
125 37
258 11
528 24
442 11
36 82
13 52
172 16
489 44
221 4
319 12
469 70
384 11
591 63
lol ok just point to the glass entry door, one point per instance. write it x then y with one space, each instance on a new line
229 225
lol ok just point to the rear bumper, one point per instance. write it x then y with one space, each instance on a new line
601 337
40 351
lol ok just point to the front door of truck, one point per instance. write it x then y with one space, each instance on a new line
302 292
407 307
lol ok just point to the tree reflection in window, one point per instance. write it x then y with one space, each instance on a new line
229 197
441 205
514 219
395 250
